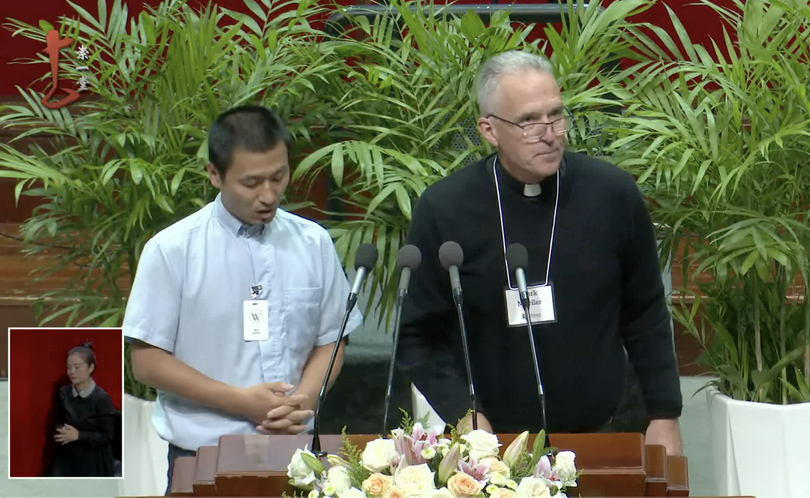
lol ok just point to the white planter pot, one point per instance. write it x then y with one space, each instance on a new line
145 453
759 449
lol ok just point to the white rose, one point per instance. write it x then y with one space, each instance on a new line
498 466
352 493
533 487
415 480
482 444
564 466
378 455
339 478
299 471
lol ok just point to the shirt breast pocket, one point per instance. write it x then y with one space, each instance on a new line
302 318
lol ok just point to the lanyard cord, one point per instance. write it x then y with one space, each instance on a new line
503 231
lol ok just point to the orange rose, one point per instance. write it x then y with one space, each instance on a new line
377 484
394 492
462 484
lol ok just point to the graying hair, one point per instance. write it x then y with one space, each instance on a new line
512 62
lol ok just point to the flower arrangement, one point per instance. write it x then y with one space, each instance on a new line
415 461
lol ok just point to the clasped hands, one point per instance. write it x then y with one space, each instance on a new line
66 434
274 411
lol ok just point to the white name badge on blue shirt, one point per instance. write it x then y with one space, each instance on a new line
254 320
541 298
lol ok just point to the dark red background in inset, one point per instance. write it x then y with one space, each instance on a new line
38 368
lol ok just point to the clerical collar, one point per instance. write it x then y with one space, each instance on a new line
532 190
546 186
84 392
234 224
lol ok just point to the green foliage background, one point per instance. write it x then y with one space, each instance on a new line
388 107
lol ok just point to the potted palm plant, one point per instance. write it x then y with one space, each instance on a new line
720 135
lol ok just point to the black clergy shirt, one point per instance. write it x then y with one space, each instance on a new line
608 293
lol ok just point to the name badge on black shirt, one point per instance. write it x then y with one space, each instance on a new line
541 307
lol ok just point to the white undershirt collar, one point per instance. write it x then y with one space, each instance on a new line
532 190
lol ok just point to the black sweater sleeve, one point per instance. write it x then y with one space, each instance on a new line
645 319
105 415
427 350
58 411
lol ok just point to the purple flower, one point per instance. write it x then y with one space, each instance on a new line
411 446
543 468
432 435
404 447
475 469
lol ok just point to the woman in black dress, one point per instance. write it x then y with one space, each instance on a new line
85 421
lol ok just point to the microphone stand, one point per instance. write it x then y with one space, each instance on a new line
316 439
524 300
397 318
458 300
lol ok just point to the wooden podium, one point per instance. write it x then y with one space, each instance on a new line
616 465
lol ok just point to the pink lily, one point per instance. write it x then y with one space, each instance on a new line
475 469
543 468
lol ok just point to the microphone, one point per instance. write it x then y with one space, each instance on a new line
451 257
408 260
364 261
517 257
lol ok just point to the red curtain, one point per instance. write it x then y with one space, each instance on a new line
38 368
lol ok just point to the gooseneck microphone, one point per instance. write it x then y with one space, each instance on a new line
451 257
518 259
364 261
408 260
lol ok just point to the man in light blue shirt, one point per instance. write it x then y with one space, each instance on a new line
235 309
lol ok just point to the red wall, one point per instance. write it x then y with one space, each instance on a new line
700 21
38 359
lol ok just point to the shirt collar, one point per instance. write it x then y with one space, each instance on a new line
84 392
544 188
233 224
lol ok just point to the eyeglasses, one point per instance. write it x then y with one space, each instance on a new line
538 129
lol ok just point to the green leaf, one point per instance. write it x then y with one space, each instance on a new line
752 258
313 463
46 26
309 161
538 448
765 377
337 164
471 25
778 256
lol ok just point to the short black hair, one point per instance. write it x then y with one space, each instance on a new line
251 128
85 351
